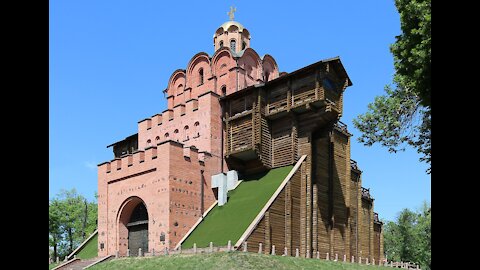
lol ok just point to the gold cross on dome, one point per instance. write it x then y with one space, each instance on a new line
231 13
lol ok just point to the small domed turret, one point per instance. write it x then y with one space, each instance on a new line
231 34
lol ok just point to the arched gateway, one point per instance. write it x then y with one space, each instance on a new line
133 227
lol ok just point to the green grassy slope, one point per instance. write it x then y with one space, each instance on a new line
90 249
228 222
228 260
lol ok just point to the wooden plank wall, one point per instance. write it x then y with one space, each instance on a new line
281 143
364 233
341 193
257 236
277 98
354 202
281 224
240 133
376 241
321 158
266 145
296 195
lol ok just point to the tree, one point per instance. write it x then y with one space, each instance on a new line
54 226
71 220
403 115
409 237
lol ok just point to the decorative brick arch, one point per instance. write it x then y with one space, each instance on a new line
123 218
270 68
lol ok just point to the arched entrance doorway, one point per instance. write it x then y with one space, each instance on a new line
133 227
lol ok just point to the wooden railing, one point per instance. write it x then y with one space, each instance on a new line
366 193
301 97
375 218
354 165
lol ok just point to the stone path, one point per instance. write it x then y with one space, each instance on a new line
78 265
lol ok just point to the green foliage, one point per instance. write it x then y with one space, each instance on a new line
228 260
228 222
409 237
71 220
412 49
403 116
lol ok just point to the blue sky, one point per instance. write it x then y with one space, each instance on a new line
110 61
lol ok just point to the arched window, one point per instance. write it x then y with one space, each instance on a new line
179 89
265 76
149 142
224 90
244 45
185 133
157 138
175 135
233 44
196 129
221 44
200 74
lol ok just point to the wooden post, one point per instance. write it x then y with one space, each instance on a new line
195 248
259 248
327 257
344 257
318 254
128 252
285 251
139 252
211 247
245 248
373 261
58 259
288 216
267 232
360 260
229 245
166 250
353 259
336 257
180 249
296 252
366 261
273 249
116 254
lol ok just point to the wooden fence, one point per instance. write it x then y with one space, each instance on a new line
229 248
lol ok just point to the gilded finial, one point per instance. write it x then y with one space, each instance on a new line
231 13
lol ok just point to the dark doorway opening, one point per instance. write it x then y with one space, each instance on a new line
138 230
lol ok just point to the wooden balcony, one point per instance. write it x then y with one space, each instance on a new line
366 194
302 100
243 135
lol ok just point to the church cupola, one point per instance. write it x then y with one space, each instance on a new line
231 34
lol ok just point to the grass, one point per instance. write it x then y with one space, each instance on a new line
228 260
90 249
52 265
229 222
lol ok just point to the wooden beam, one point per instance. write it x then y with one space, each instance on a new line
267 233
